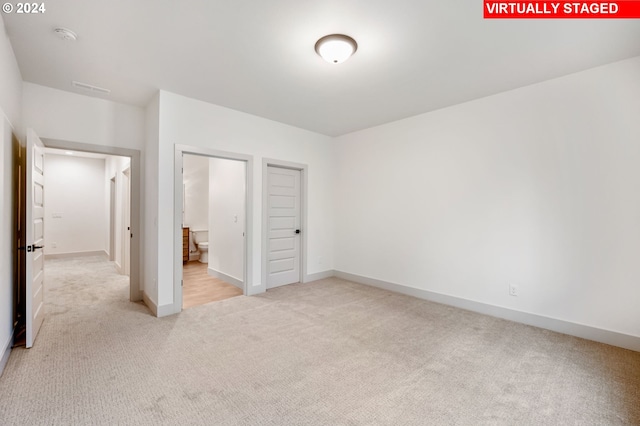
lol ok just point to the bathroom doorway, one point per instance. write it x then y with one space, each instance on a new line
214 194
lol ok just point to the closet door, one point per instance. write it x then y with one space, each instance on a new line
283 261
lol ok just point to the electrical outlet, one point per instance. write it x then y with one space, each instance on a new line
513 290
54 245
319 260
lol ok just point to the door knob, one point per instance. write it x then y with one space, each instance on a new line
297 231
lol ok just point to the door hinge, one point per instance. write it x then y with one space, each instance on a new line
181 283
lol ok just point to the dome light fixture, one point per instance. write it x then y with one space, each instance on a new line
336 48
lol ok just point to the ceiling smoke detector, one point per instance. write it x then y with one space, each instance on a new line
66 34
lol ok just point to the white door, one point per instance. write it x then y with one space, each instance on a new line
112 219
126 223
283 222
34 236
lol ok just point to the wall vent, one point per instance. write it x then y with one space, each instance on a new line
90 87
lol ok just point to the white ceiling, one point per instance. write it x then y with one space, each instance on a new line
258 57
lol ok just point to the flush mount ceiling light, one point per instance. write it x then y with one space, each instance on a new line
336 48
66 34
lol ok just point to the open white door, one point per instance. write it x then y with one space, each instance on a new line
126 223
34 299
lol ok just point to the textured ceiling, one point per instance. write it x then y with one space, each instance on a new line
258 57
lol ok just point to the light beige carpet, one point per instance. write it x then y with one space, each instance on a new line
327 353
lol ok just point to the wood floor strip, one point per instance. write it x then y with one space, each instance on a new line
200 288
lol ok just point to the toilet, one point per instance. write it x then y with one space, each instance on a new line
203 248
202 242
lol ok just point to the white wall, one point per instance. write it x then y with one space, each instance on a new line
150 205
10 125
537 187
191 122
227 217
196 192
10 83
57 114
76 216
7 237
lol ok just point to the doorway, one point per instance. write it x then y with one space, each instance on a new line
81 201
131 156
87 211
213 225
224 231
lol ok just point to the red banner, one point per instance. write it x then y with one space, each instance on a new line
622 9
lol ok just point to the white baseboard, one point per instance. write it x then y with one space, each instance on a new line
166 310
150 304
76 254
226 278
158 311
578 330
6 351
319 276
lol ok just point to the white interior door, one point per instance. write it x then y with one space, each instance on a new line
112 219
126 223
34 237
283 221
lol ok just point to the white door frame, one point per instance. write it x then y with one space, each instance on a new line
303 168
135 254
178 197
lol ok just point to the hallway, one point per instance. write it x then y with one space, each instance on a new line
82 282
